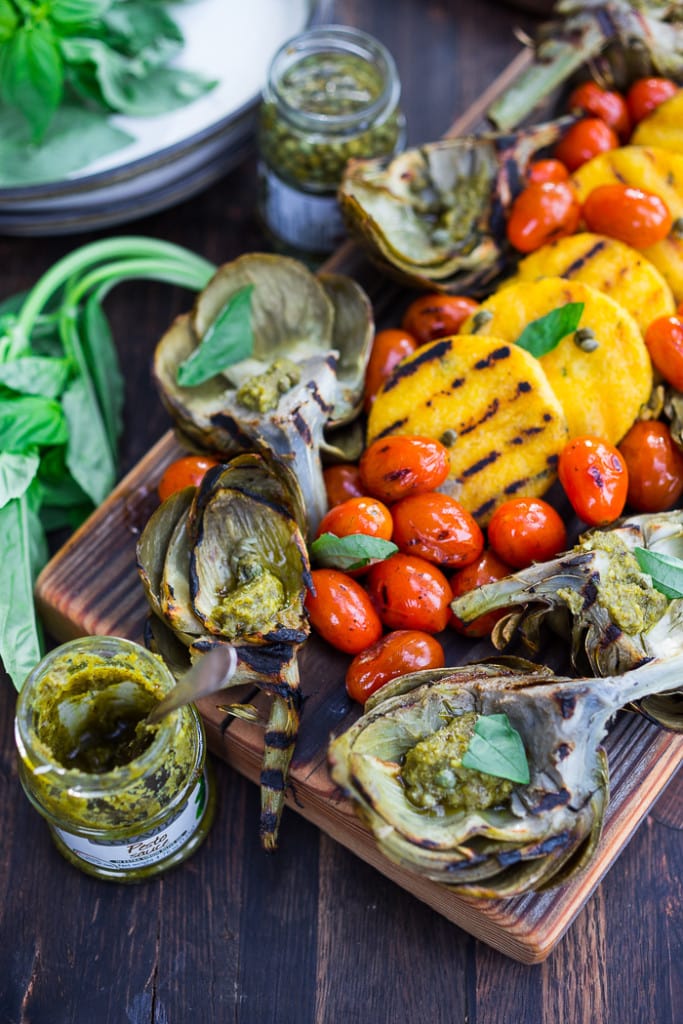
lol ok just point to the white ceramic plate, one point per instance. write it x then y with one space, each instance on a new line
175 155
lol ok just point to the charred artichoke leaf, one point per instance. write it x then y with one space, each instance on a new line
543 832
435 214
353 331
153 543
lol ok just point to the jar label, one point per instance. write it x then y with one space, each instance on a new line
148 847
305 220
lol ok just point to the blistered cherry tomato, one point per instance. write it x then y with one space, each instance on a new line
655 467
342 481
358 515
435 316
607 104
583 140
594 476
438 528
389 348
547 170
645 94
393 467
543 211
486 569
410 593
629 214
526 530
396 654
188 471
664 340
341 611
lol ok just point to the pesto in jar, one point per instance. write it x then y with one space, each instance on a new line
123 800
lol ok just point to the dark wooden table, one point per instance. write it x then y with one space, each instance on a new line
311 934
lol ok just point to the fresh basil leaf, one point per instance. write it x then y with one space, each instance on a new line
9 20
33 75
228 340
497 749
17 471
542 335
72 14
29 421
354 551
102 359
35 375
143 29
23 550
666 571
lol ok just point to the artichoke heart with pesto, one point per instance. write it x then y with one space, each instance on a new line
226 563
598 596
304 374
507 839
434 216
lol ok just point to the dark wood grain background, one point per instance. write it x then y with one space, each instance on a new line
311 934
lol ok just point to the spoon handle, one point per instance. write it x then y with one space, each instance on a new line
210 673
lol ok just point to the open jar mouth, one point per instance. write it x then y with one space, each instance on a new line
48 712
336 40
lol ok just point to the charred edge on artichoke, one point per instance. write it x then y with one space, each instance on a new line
542 849
550 801
272 778
278 740
231 427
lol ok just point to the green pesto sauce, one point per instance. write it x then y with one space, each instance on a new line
252 607
625 592
331 83
263 391
435 778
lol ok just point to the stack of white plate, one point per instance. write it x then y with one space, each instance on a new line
176 155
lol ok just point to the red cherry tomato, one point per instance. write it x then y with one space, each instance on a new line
664 340
608 105
594 476
410 593
526 530
389 348
401 464
547 170
655 467
645 94
341 611
435 316
631 215
342 481
188 471
438 528
396 654
543 211
486 569
358 515
583 140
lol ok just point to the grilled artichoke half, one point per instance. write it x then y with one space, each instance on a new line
321 325
435 216
538 836
597 595
227 563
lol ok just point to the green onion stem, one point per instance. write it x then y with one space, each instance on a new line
111 274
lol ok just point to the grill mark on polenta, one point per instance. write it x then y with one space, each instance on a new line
480 465
493 357
586 257
393 428
435 353
457 382
490 411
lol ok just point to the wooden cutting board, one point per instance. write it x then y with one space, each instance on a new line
91 587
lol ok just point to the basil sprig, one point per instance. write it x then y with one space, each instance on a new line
497 749
228 340
355 551
543 335
666 571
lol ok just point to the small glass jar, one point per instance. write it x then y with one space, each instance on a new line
332 94
123 801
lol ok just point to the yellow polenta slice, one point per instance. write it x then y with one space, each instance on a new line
612 267
663 127
652 169
601 391
491 404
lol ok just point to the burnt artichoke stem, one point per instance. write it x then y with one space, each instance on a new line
280 738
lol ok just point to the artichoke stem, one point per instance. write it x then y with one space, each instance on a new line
280 738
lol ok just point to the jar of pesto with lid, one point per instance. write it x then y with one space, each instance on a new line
123 800
332 94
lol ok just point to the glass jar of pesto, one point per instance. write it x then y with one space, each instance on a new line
123 800
332 94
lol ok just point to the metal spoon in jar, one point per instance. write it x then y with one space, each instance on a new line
210 673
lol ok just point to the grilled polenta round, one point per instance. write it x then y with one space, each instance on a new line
662 127
652 169
601 390
612 267
491 404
